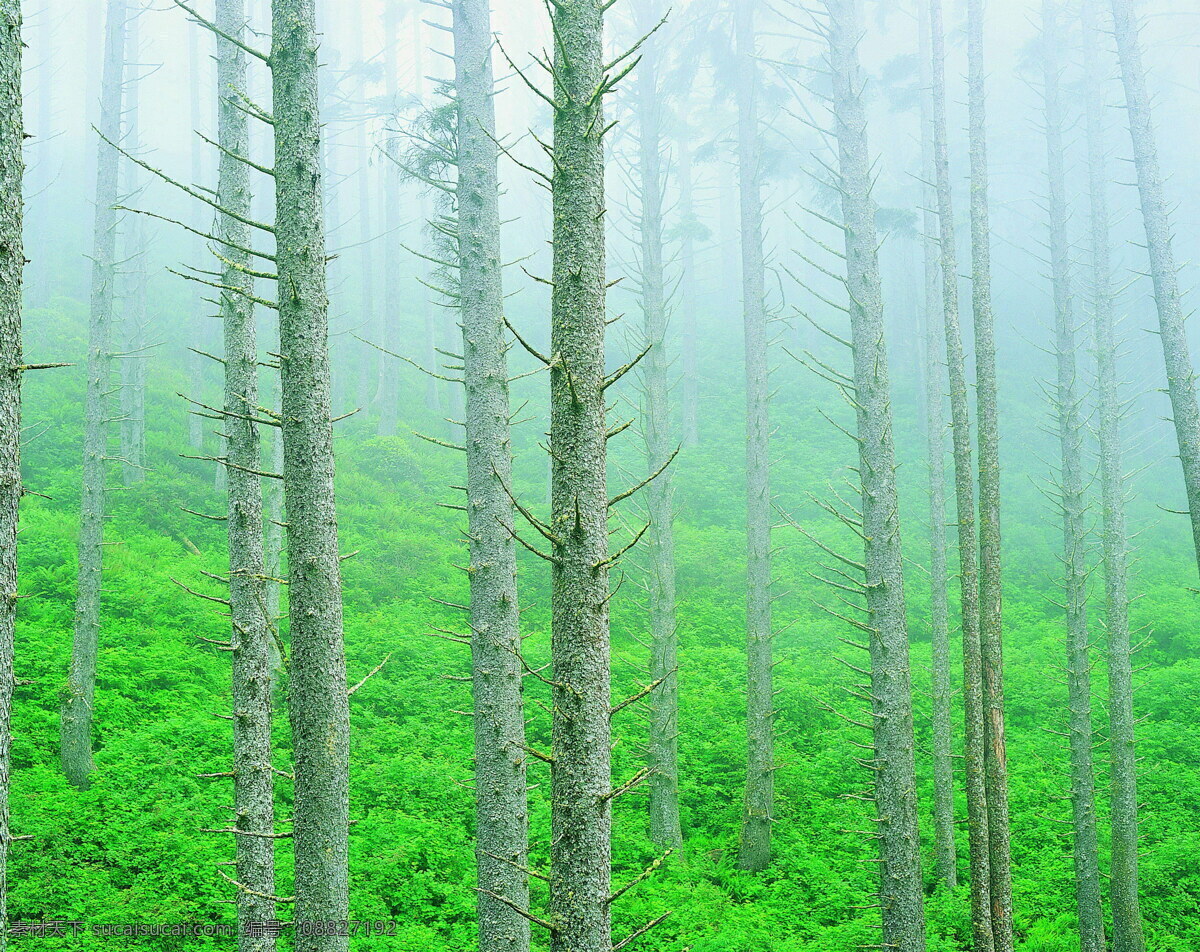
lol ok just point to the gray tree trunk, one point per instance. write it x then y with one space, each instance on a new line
656 430
77 705
12 268
501 799
755 850
318 705
974 770
1126 907
687 291
893 763
1067 402
581 805
991 619
1181 383
253 778
133 361
933 338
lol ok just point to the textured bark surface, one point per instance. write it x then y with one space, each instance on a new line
580 798
12 266
991 618
1067 404
893 763
1181 377
755 851
1126 906
656 430
250 631
501 807
933 345
132 427
80 694
974 771
318 705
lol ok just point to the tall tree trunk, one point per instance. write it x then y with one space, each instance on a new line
687 290
318 705
755 851
1071 500
656 423
974 770
900 887
389 332
253 778
77 705
501 799
1181 383
12 268
581 805
366 240
1126 907
200 314
133 362
991 619
933 338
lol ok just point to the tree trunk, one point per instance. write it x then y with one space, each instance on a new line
501 804
656 424
253 780
77 705
964 497
1126 907
318 705
133 324
200 314
755 851
1071 500
991 621
935 432
389 333
687 291
1181 384
12 268
581 805
900 886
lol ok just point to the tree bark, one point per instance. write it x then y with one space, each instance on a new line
250 637
318 708
656 425
755 850
1067 402
1181 382
581 805
1126 906
12 269
974 770
933 338
78 701
501 803
991 620
893 763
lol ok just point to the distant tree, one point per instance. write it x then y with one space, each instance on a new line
991 618
656 426
933 337
974 756
1156 215
12 268
80 693
1126 906
893 757
318 702
1067 402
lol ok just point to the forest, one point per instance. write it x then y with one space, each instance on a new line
599 475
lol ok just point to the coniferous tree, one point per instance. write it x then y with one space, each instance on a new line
318 702
974 769
1067 402
501 808
80 694
991 618
1127 935
12 267
893 756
